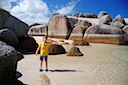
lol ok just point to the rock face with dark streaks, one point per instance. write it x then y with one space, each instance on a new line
8 64
57 25
77 26
61 25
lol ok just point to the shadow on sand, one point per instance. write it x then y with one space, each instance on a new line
64 70
18 82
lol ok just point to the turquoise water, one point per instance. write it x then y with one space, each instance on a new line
120 52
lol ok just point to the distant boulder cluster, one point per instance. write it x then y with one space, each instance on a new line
114 30
99 28
87 15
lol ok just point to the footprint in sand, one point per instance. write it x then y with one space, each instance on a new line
44 79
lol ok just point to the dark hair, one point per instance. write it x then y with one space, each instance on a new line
46 37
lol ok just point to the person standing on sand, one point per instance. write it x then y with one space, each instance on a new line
43 47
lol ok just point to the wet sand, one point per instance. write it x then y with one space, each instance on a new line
102 64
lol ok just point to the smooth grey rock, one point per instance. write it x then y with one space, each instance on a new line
106 19
101 14
120 19
27 45
103 29
125 29
17 26
3 16
118 24
9 37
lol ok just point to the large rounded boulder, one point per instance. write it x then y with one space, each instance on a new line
103 29
3 16
27 45
107 29
9 37
8 64
18 27
57 25
120 19
105 34
106 19
80 28
55 49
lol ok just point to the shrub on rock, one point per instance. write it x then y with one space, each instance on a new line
74 51
55 49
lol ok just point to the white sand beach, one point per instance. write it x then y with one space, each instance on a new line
102 64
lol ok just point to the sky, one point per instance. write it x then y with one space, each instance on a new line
40 11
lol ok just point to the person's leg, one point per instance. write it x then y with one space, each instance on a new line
41 62
46 62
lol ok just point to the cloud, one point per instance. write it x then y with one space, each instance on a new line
31 11
35 11
68 8
6 4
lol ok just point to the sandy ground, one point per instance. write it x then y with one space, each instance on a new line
102 64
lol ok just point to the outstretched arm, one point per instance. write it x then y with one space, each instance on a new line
53 41
37 50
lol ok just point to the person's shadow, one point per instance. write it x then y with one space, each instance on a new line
64 70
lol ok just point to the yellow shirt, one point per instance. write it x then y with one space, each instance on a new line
44 48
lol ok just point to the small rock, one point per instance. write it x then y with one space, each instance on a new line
55 49
74 51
